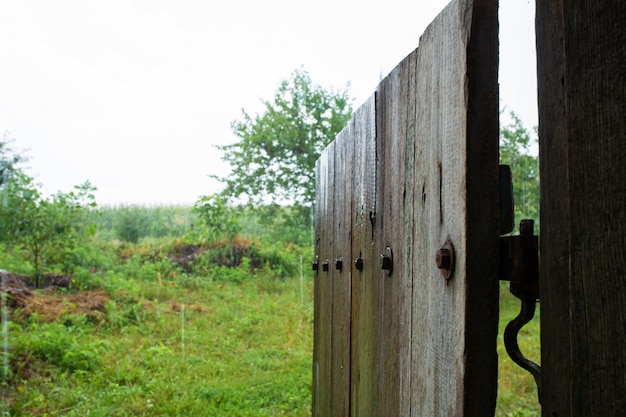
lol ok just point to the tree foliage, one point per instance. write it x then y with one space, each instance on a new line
217 219
131 223
9 159
516 150
47 229
275 156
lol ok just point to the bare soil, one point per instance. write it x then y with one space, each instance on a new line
50 303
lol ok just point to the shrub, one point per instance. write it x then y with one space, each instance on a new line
54 344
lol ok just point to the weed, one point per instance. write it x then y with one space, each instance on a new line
53 344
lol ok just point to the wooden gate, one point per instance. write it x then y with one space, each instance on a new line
406 286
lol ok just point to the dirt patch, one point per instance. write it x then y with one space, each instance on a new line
50 304
190 307
185 255
15 287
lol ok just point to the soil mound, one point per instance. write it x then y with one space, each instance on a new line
50 304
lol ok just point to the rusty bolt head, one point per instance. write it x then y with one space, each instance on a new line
445 260
325 266
339 264
386 261
358 263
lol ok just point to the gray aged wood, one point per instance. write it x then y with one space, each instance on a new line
456 163
582 133
341 279
417 166
364 329
322 349
396 136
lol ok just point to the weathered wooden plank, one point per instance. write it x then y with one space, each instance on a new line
396 137
555 357
364 331
322 370
582 133
454 324
341 278
483 228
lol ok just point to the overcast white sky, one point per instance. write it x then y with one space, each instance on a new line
132 95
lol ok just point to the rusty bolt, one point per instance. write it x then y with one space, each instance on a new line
339 264
358 263
386 261
325 266
445 260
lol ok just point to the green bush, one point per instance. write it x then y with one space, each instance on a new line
131 223
46 229
54 344
124 311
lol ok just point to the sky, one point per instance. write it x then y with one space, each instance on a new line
134 95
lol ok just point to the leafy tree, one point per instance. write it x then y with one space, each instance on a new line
278 223
516 147
131 223
9 159
47 228
276 152
217 219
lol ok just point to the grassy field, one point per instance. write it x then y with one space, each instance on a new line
209 349
517 391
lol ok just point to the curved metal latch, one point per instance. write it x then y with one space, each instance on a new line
519 264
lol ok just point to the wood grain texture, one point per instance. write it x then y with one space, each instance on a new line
582 133
396 136
555 357
323 296
456 153
364 378
341 279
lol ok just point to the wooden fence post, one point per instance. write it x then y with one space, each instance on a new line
582 141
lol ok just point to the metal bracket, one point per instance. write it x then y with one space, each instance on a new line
519 264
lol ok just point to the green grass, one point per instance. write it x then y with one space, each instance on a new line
517 391
222 350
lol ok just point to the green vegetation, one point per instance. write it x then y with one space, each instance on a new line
517 145
517 391
217 350
45 230
10 159
219 327
275 156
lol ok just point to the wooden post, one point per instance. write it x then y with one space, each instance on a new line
581 61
